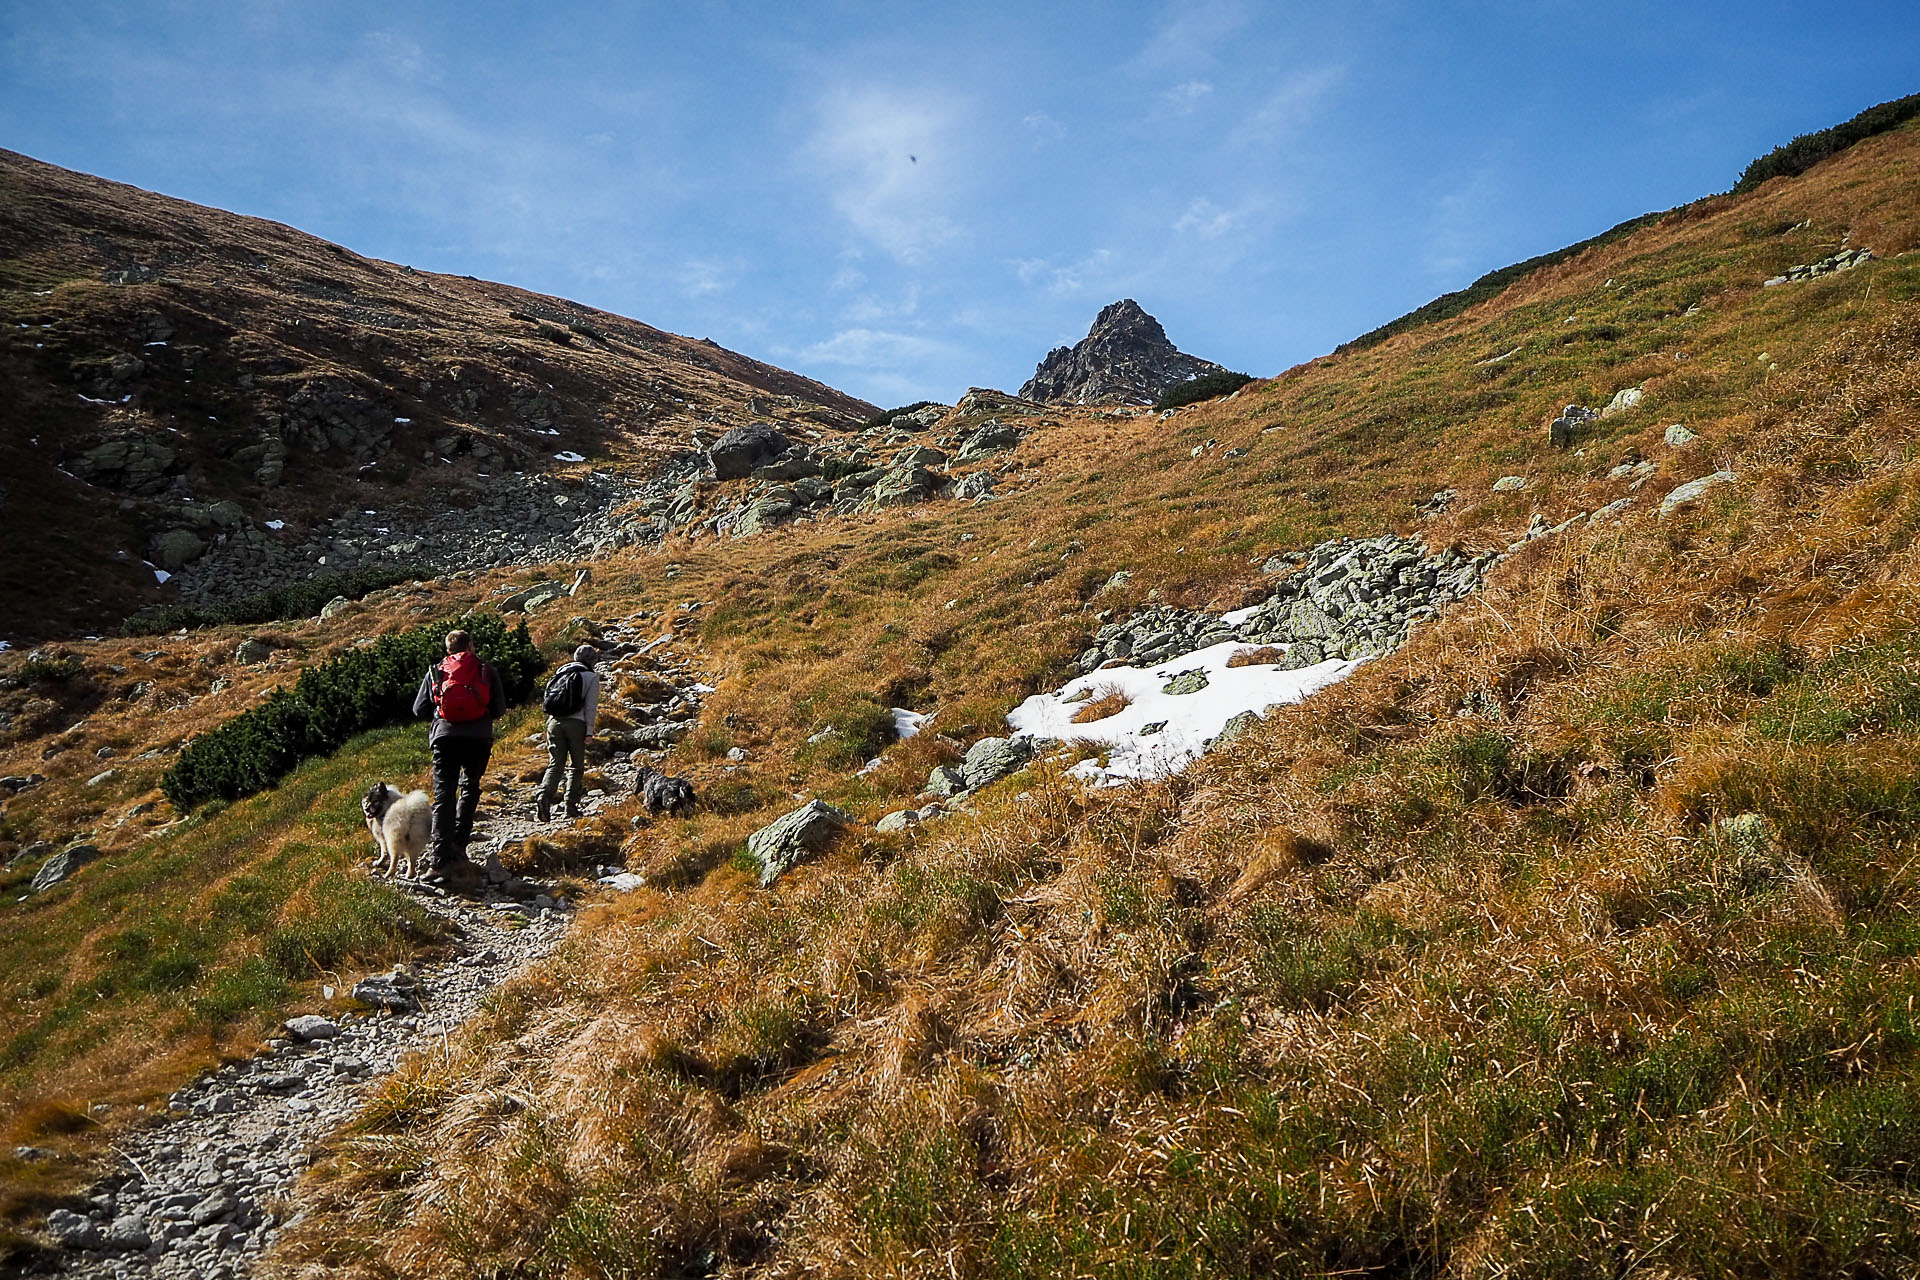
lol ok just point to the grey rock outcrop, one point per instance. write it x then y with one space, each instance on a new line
779 845
991 759
1561 431
1347 599
136 464
1845 260
62 865
1125 358
735 454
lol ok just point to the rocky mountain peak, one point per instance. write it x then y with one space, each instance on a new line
1126 358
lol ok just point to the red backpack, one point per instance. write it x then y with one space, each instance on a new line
461 691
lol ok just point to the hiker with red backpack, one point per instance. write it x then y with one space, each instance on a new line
465 696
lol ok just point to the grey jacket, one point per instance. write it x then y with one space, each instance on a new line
481 728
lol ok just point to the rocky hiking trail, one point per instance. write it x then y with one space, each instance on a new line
203 1192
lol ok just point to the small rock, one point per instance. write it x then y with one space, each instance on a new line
1234 728
128 1234
993 758
252 651
1694 489
1678 436
898 821
1186 682
335 607
945 781
74 1230
1509 484
311 1026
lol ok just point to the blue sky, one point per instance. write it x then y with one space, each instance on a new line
907 199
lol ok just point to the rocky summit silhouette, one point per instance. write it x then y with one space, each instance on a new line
1126 358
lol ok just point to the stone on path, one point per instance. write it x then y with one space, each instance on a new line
311 1026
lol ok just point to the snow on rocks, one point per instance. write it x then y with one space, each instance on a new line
1160 732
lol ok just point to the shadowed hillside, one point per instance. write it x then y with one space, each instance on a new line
176 376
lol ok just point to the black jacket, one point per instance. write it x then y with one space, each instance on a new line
481 728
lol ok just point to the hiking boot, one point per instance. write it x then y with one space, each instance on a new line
543 809
461 876
573 810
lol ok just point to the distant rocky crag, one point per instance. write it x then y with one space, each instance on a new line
1125 358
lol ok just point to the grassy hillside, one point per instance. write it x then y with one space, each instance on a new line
1574 939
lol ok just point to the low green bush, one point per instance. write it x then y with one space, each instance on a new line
1792 159
1208 386
882 418
276 604
359 690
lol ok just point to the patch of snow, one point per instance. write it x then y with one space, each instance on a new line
401 422
1239 616
1188 721
276 524
90 399
161 575
156 344
651 645
906 723
568 455
624 882
700 688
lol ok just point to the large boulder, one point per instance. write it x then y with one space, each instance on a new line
992 437
136 464
900 486
61 865
177 548
781 844
735 454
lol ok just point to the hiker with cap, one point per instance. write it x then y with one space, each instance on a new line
571 702
465 697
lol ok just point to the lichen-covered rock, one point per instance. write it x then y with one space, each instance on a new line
1693 490
945 781
991 759
62 865
779 845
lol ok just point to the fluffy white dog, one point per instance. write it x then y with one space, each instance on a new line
401 826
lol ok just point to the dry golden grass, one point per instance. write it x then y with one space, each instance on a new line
1103 700
1449 970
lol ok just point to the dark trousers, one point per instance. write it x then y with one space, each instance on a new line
458 764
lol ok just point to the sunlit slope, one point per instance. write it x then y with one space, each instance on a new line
1575 938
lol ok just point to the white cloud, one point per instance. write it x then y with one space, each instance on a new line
1191 34
1064 279
1208 220
893 162
863 348
1287 111
1183 98
1043 128
704 277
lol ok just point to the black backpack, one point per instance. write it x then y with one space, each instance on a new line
566 692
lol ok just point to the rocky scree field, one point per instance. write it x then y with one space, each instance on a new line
1576 929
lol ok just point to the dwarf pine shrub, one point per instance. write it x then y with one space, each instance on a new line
1794 158
1208 386
359 690
276 604
886 416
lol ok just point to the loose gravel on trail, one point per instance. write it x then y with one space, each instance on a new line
202 1192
